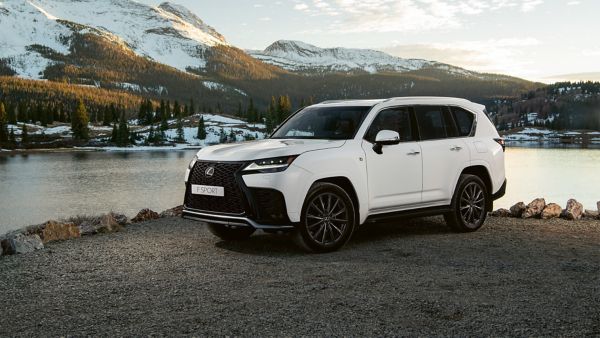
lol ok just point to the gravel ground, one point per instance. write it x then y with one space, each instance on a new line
171 277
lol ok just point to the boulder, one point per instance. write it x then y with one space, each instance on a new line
598 206
173 212
57 231
574 210
121 218
21 244
103 224
517 209
552 210
534 208
501 213
590 214
145 215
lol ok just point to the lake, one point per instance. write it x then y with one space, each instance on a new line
41 186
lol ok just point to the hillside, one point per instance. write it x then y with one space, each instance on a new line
168 53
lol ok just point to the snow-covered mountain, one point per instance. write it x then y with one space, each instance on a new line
169 34
302 57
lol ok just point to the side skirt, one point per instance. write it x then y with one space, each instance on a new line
431 211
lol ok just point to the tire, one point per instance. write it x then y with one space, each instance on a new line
468 204
230 233
328 219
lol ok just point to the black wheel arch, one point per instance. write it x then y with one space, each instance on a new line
482 172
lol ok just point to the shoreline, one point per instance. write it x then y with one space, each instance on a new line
97 149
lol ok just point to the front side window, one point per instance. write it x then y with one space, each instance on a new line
333 123
395 119
464 120
434 122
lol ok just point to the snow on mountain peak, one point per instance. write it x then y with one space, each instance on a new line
169 33
301 56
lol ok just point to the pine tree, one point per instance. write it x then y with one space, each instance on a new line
115 134
24 134
180 134
192 107
11 137
222 136
106 117
3 123
142 113
164 123
284 108
240 113
123 136
201 129
232 136
251 114
12 117
176 110
151 137
22 112
79 122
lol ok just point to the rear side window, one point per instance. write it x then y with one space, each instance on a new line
464 120
432 124
396 119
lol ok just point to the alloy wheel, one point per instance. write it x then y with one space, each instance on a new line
472 204
327 218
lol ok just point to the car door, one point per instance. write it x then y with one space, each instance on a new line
395 175
444 153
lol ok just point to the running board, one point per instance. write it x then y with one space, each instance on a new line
431 211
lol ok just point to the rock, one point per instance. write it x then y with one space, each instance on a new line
501 213
574 210
173 212
552 210
535 208
591 214
517 209
21 244
108 223
57 231
598 206
121 218
145 215
103 224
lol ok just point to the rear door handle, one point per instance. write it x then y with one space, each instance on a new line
456 148
413 152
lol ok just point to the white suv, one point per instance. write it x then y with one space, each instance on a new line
336 165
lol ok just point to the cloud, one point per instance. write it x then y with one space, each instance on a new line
301 7
405 15
493 55
265 18
573 3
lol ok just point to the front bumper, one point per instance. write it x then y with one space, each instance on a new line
230 220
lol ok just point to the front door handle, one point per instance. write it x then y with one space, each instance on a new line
413 152
456 148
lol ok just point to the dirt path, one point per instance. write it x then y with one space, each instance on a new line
171 277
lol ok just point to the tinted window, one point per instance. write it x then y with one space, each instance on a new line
464 120
396 119
318 122
432 124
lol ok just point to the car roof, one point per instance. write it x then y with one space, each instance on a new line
405 100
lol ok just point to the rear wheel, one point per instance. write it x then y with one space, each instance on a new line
230 233
468 204
328 219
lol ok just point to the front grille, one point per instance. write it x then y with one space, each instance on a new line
233 202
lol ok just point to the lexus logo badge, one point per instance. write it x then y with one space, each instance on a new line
209 171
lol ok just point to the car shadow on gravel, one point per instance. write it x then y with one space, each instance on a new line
263 244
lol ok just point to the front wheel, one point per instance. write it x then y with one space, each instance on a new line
328 219
468 204
227 233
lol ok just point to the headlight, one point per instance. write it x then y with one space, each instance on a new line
271 165
190 167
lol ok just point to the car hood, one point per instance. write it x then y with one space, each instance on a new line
253 150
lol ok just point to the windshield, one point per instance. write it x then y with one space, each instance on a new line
332 123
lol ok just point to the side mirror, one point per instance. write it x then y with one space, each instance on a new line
385 138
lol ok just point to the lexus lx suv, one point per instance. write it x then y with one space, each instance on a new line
334 166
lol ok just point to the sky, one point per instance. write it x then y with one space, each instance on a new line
542 40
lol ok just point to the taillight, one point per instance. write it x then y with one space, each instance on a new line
500 141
